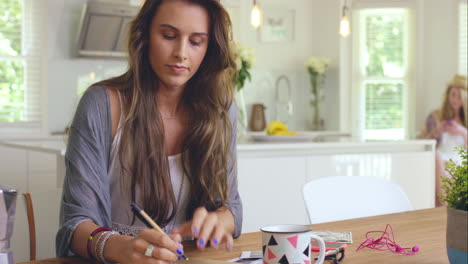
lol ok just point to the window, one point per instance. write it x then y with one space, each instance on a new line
463 35
20 76
381 81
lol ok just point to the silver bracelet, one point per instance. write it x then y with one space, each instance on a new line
96 245
103 244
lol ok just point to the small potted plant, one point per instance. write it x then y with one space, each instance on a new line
455 194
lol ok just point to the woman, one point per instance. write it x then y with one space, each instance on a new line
448 126
161 135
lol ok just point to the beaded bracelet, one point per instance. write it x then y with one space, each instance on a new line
100 257
90 239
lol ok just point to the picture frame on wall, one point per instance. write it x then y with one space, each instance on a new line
277 26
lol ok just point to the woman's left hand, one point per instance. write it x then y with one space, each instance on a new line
216 227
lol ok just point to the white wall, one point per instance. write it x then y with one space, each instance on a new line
440 51
316 34
65 70
315 27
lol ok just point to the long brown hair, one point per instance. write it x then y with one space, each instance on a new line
208 95
447 112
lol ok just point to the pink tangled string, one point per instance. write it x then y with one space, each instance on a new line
386 242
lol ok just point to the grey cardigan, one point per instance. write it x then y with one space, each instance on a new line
86 193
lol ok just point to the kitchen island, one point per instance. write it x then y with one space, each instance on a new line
271 174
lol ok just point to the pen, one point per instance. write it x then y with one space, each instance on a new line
147 220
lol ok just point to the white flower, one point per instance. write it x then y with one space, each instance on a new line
244 58
317 64
238 63
245 54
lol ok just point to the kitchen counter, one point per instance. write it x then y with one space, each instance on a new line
271 174
329 144
318 143
54 146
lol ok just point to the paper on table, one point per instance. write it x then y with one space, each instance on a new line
329 236
201 261
248 260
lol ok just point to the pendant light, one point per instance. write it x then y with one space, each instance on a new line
344 23
256 15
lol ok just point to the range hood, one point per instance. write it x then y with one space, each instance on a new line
103 29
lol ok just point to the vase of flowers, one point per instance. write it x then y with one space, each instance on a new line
245 59
317 68
455 194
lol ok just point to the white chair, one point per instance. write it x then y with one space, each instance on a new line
36 224
345 197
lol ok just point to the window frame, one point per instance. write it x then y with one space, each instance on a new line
462 62
352 100
34 53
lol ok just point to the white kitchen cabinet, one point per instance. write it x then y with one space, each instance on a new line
13 167
413 171
42 172
271 176
271 191
28 170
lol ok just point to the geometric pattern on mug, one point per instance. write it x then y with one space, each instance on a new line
272 241
283 260
270 254
306 251
293 241
279 251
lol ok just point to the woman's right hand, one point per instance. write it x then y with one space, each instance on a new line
454 128
166 248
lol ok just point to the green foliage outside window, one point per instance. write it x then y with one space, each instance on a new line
384 42
384 105
12 95
385 61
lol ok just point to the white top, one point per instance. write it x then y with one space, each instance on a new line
122 215
448 143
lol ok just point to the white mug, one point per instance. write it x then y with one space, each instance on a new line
289 244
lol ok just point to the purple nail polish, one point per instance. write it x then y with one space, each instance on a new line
229 245
215 242
179 257
201 242
195 230
180 251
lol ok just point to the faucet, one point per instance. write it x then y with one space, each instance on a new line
280 103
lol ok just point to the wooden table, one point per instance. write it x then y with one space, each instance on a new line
424 228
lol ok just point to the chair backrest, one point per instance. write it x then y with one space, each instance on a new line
36 224
345 197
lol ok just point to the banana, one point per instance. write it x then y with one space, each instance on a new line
278 128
